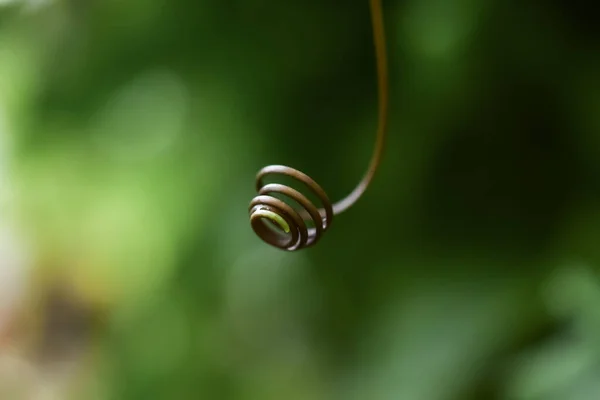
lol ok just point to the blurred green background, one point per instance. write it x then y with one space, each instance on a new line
130 134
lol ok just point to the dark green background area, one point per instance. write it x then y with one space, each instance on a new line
434 286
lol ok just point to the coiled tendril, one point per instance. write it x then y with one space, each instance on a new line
289 228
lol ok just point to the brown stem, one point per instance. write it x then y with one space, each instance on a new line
382 87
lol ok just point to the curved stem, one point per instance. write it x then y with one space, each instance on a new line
382 87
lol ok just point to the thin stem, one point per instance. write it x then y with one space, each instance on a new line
382 85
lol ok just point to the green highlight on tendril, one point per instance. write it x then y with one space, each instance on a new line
275 218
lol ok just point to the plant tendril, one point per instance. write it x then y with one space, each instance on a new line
288 228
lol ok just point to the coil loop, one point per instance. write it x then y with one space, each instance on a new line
284 226
281 225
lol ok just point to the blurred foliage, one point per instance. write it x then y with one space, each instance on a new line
130 133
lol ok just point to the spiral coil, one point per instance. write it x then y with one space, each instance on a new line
282 225
286 227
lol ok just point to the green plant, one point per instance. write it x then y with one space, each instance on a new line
287 228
